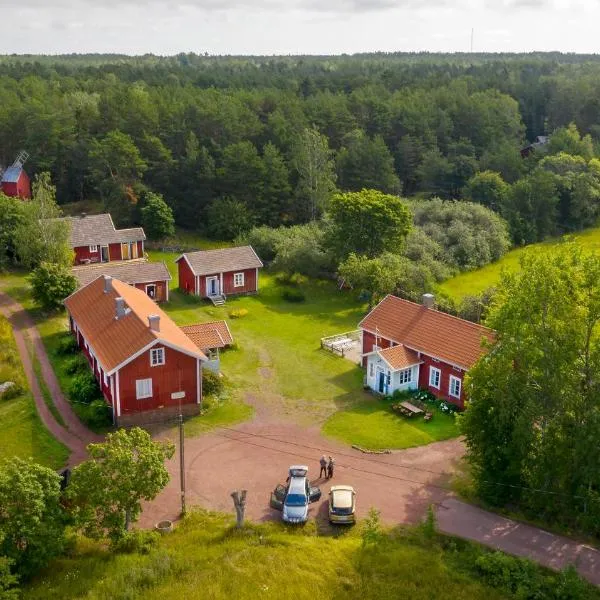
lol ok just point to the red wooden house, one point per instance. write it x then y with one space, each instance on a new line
150 277
407 346
15 182
218 273
95 239
146 366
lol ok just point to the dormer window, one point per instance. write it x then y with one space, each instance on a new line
157 357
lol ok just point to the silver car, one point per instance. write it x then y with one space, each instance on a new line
294 497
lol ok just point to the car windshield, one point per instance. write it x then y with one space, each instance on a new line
295 500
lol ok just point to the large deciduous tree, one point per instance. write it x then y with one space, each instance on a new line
487 188
367 223
51 283
533 420
107 490
157 217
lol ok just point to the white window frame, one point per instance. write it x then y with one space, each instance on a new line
238 279
454 381
94 248
151 285
143 388
404 376
432 372
157 357
371 369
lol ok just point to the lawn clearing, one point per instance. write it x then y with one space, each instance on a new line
473 283
373 425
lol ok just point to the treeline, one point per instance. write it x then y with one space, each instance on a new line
233 142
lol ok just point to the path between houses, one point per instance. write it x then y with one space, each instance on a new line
74 435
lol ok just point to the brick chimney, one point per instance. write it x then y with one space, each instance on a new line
120 311
108 286
154 322
428 300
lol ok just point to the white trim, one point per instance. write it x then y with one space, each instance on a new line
394 370
256 278
146 289
198 384
188 262
452 380
161 353
243 283
257 257
221 284
206 288
93 248
118 396
167 288
439 372
107 253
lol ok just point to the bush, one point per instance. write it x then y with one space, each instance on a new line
99 413
264 240
138 541
298 279
8 581
76 364
212 384
238 313
84 388
51 284
67 345
293 295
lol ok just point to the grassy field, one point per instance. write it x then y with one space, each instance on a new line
372 424
206 558
23 433
475 282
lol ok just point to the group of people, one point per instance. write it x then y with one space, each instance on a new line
326 467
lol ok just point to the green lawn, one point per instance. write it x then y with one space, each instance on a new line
206 558
23 433
474 282
373 425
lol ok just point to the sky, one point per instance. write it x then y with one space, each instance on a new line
297 26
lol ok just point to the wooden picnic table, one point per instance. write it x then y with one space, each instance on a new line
415 410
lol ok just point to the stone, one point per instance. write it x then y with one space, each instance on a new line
6 386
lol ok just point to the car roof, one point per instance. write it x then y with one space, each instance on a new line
342 498
297 485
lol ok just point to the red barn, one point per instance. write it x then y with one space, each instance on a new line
408 346
15 182
95 239
215 274
146 366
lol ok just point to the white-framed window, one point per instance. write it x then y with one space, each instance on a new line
143 388
93 248
157 357
371 369
238 280
405 376
151 290
454 387
435 376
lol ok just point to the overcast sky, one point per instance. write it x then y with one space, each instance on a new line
297 26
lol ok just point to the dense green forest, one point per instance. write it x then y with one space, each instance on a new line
232 142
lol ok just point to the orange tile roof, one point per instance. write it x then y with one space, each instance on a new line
215 334
399 357
437 334
112 340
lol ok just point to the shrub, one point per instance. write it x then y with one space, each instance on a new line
99 413
67 344
515 575
212 384
76 364
138 541
51 284
293 295
8 581
83 388
298 279
264 240
238 313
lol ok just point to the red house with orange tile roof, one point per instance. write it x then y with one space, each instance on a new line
408 346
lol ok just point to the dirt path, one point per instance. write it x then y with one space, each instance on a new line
74 435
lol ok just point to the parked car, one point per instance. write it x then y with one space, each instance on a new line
293 497
342 504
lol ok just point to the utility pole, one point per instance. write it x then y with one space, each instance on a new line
181 465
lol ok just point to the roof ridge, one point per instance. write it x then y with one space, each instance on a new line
133 291
218 249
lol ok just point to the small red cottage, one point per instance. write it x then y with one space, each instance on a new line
151 277
94 239
408 346
146 366
15 181
215 274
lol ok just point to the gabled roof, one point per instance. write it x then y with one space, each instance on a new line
131 271
93 230
206 336
12 174
437 334
208 262
116 341
399 357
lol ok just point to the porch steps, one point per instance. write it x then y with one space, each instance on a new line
218 300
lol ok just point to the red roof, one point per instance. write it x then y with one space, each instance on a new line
437 334
211 335
399 357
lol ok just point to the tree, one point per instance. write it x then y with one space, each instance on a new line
313 164
277 193
41 235
366 163
51 283
12 216
8 581
487 188
157 217
569 141
367 223
228 218
32 522
107 490
532 422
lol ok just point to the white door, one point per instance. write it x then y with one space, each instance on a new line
212 286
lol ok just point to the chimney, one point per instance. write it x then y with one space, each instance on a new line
120 308
428 300
154 322
107 284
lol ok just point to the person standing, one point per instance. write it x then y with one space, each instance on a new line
330 466
323 463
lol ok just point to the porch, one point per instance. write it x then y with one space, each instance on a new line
347 345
